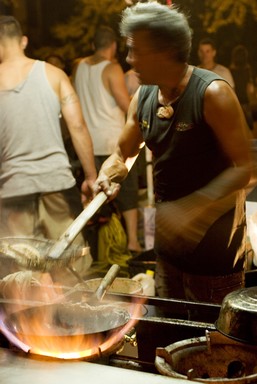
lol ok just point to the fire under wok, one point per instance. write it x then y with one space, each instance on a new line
70 326
60 328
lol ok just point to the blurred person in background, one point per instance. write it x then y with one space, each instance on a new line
77 170
243 78
191 120
207 53
100 84
38 192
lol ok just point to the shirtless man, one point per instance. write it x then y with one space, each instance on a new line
207 53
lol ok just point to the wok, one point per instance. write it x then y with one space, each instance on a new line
67 330
238 315
43 257
29 253
66 319
42 254
91 323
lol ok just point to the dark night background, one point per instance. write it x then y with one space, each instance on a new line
38 17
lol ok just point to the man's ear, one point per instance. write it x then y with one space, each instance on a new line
24 42
114 48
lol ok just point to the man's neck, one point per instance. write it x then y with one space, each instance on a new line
209 66
169 92
13 70
102 55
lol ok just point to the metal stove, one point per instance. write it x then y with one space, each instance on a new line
164 321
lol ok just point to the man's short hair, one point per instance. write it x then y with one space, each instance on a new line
10 27
168 28
207 41
104 37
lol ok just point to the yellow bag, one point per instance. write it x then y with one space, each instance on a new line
112 243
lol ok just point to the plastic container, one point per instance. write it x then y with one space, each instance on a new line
147 282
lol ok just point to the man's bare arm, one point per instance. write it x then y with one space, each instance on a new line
224 115
130 141
72 114
114 81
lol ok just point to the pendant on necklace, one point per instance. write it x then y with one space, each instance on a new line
165 112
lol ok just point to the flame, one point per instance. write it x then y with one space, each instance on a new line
28 322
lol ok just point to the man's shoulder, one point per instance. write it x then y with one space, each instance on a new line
113 68
52 69
113 65
147 91
222 68
225 73
206 74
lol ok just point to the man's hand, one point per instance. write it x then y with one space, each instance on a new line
112 173
103 183
87 191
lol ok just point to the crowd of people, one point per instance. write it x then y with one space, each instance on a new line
195 119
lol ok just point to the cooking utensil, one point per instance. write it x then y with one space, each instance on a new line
42 254
102 286
66 319
67 330
46 259
90 321
106 281
121 285
238 315
70 294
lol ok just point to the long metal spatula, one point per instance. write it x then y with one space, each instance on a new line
42 254
75 228
43 257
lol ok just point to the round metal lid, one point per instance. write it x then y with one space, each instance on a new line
238 315
245 299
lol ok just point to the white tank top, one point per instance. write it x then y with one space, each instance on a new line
32 154
103 116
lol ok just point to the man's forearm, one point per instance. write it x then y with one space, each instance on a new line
114 169
84 149
229 181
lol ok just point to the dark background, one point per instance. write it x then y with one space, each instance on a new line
81 17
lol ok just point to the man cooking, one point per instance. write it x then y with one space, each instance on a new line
192 122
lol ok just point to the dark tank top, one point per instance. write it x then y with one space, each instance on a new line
186 154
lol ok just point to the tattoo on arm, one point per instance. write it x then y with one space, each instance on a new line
69 99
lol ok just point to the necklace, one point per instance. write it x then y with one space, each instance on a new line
166 111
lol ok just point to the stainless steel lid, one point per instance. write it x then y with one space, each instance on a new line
238 315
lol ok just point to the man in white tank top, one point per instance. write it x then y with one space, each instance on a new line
100 83
37 188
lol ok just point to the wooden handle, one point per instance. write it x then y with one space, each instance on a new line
74 229
107 281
